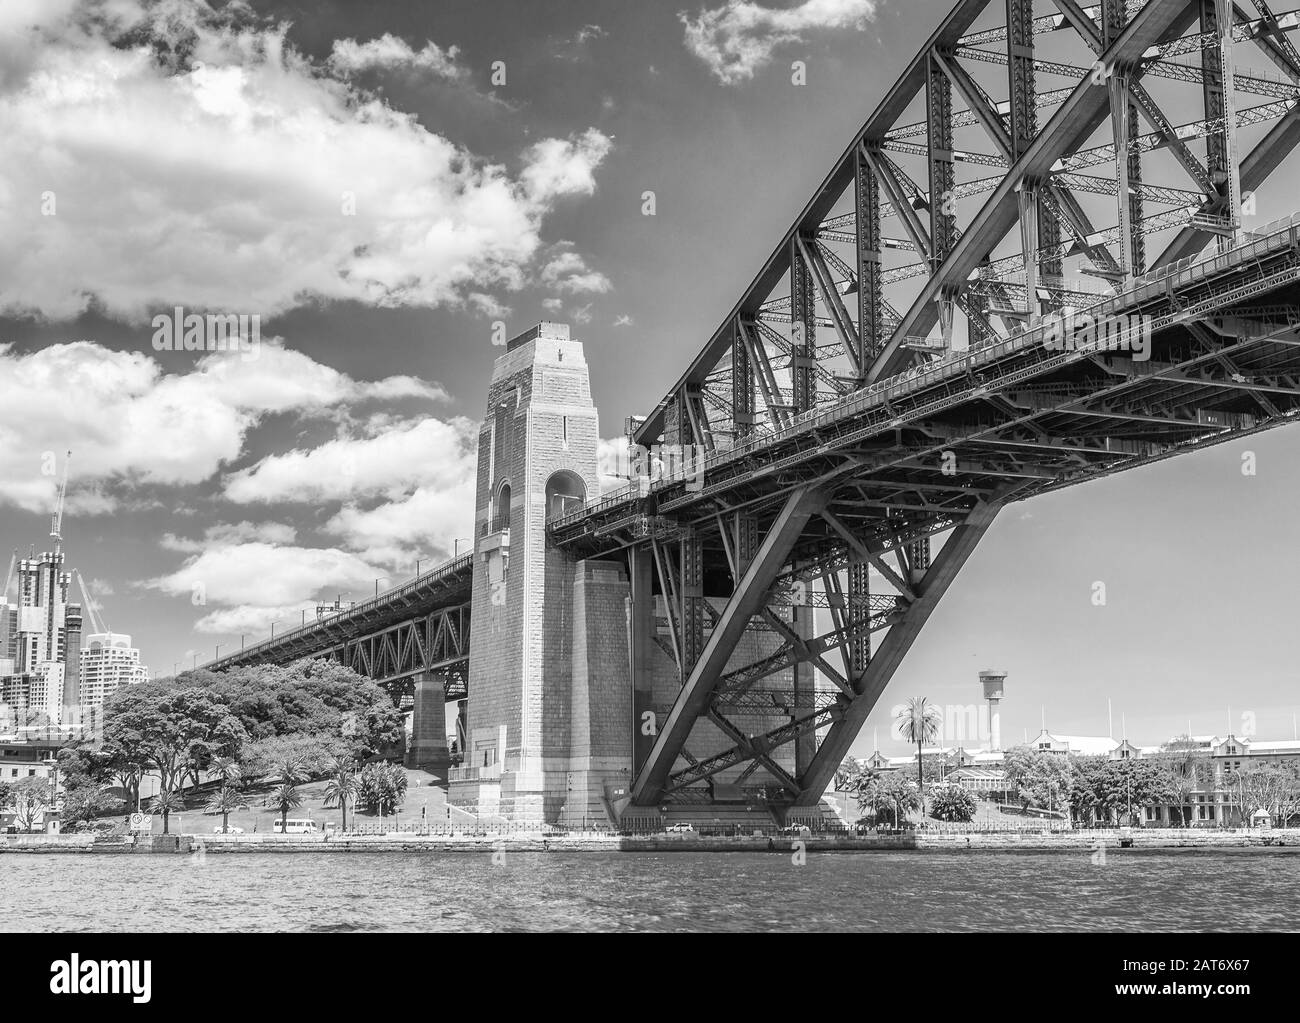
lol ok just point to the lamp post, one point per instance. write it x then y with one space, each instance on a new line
216 655
273 625
241 640
457 542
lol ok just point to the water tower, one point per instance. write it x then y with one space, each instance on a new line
992 682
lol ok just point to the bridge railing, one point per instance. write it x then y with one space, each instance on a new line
1162 278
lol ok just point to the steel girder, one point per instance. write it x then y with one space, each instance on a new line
750 595
438 642
1124 42
1017 418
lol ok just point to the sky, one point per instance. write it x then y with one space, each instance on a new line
381 184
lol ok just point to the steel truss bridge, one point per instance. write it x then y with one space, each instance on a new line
418 627
890 378
1026 160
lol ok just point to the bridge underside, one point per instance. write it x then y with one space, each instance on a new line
854 502
835 425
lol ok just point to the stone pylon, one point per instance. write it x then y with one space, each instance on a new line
548 726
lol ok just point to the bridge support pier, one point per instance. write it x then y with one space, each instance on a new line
428 750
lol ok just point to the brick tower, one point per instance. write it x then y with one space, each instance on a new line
548 729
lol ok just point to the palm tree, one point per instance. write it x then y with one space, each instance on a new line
228 770
167 802
291 768
284 798
227 799
340 785
919 722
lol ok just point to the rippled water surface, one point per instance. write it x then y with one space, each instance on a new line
651 892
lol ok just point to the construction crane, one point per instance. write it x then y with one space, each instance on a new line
56 520
9 577
97 624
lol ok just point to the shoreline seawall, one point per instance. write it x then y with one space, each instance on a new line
1139 839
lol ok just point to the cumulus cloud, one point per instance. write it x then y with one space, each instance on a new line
405 489
566 271
228 533
257 582
389 52
232 174
738 38
427 522
560 167
387 463
133 423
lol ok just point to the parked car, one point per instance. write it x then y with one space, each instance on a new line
232 830
680 826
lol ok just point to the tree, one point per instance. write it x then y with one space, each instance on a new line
228 770
84 803
224 800
340 785
30 796
888 794
847 774
953 803
382 787
1270 787
919 722
1186 765
348 713
1049 781
166 802
284 797
172 731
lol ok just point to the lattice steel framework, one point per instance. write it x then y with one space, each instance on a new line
845 435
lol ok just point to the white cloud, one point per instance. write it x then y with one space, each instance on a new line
567 271
739 37
131 422
389 52
265 575
254 619
552 305
238 532
623 320
389 463
562 167
611 459
224 176
424 524
581 314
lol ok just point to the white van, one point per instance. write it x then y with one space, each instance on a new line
295 827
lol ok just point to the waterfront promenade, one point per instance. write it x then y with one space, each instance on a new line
519 839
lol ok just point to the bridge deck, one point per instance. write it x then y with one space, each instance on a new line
443 588
1014 413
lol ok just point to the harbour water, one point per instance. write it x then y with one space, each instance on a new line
883 891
